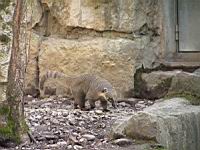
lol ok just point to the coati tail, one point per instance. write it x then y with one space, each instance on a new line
50 74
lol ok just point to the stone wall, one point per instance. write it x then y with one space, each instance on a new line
110 38
5 38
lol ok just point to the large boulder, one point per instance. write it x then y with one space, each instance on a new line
173 123
113 59
158 84
101 15
186 84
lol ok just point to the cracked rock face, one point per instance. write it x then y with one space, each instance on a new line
107 38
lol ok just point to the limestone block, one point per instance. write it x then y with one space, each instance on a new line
112 59
173 123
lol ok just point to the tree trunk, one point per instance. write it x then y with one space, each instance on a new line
15 76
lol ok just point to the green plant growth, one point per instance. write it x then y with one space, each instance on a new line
191 97
9 132
4 38
160 148
4 4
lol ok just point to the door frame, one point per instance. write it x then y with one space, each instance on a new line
172 55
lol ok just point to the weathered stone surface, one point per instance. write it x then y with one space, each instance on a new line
123 142
33 52
118 15
156 78
35 8
197 71
158 84
89 137
186 83
111 59
173 123
108 38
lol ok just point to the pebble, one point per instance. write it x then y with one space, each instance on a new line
69 147
76 147
52 146
99 112
82 140
65 114
50 137
55 121
150 102
73 139
140 106
123 142
63 143
141 102
89 137
57 127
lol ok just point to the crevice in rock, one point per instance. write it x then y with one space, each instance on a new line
50 26
42 26
146 30
72 32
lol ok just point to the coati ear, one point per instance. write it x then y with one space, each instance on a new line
104 90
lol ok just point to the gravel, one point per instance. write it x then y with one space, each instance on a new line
56 125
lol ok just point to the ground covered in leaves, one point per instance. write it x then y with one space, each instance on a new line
55 125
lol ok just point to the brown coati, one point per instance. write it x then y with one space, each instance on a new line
32 91
85 87
49 91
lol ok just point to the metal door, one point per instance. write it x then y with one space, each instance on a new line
188 20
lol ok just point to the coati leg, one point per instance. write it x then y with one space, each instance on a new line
104 104
112 102
79 99
75 104
81 103
92 103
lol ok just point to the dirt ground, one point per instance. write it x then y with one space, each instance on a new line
55 125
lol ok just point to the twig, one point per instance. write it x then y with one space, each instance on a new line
32 139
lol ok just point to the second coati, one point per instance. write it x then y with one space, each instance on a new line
32 91
86 87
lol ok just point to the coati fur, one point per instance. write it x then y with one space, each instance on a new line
32 91
85 87
49 91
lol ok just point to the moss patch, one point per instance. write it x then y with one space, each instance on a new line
4 4
160 148
8 132
191 97
4 38
4 110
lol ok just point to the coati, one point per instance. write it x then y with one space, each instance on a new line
85 87
32 90
49 91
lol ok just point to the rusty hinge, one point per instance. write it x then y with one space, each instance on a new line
176 32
